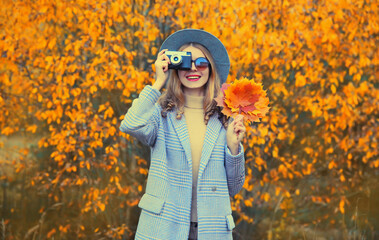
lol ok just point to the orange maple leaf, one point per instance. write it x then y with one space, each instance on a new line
244 97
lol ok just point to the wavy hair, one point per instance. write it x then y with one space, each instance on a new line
173 98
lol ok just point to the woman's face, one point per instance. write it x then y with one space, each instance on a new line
194 80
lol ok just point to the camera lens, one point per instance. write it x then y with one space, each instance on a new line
176 59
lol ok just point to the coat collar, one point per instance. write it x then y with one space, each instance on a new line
212 132
180 128
211 135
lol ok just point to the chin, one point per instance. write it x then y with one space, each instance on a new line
197 84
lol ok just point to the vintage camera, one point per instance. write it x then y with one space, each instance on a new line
179 60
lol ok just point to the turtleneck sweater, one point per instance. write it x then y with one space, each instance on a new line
194 116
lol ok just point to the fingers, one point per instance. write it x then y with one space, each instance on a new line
162 52
162 60
163 57
165 66
239 118
240 131
238 121
239 128
235 133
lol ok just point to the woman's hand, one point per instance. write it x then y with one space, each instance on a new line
161 70
235 133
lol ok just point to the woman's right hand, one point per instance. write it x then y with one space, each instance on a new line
161 69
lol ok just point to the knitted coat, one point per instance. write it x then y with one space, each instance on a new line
166 205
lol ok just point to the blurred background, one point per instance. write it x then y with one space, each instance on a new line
69 71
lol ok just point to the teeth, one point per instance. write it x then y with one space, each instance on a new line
192 77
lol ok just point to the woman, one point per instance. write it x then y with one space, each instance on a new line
197 159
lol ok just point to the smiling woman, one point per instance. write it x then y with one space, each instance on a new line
200 80
197 159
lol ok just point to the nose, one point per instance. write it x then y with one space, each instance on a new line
193 67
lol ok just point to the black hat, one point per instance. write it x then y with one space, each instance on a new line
212 43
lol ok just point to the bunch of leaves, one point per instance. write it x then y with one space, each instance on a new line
243 97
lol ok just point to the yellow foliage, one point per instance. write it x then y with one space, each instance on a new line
69 71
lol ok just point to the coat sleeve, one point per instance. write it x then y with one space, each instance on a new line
143 117
235 170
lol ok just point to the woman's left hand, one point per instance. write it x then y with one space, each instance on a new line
235 133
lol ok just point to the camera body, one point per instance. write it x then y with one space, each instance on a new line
179 60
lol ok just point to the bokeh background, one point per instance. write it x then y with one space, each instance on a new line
69 70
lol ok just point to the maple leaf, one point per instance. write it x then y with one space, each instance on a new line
244 97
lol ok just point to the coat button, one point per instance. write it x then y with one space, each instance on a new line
214 189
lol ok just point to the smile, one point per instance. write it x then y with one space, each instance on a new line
193 78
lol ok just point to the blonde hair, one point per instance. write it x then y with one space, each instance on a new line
173 97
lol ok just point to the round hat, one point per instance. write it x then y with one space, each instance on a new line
212 43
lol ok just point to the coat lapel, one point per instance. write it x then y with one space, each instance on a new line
180 128
213 131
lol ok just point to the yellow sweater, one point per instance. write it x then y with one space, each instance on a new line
194 116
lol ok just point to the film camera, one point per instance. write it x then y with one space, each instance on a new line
179 60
